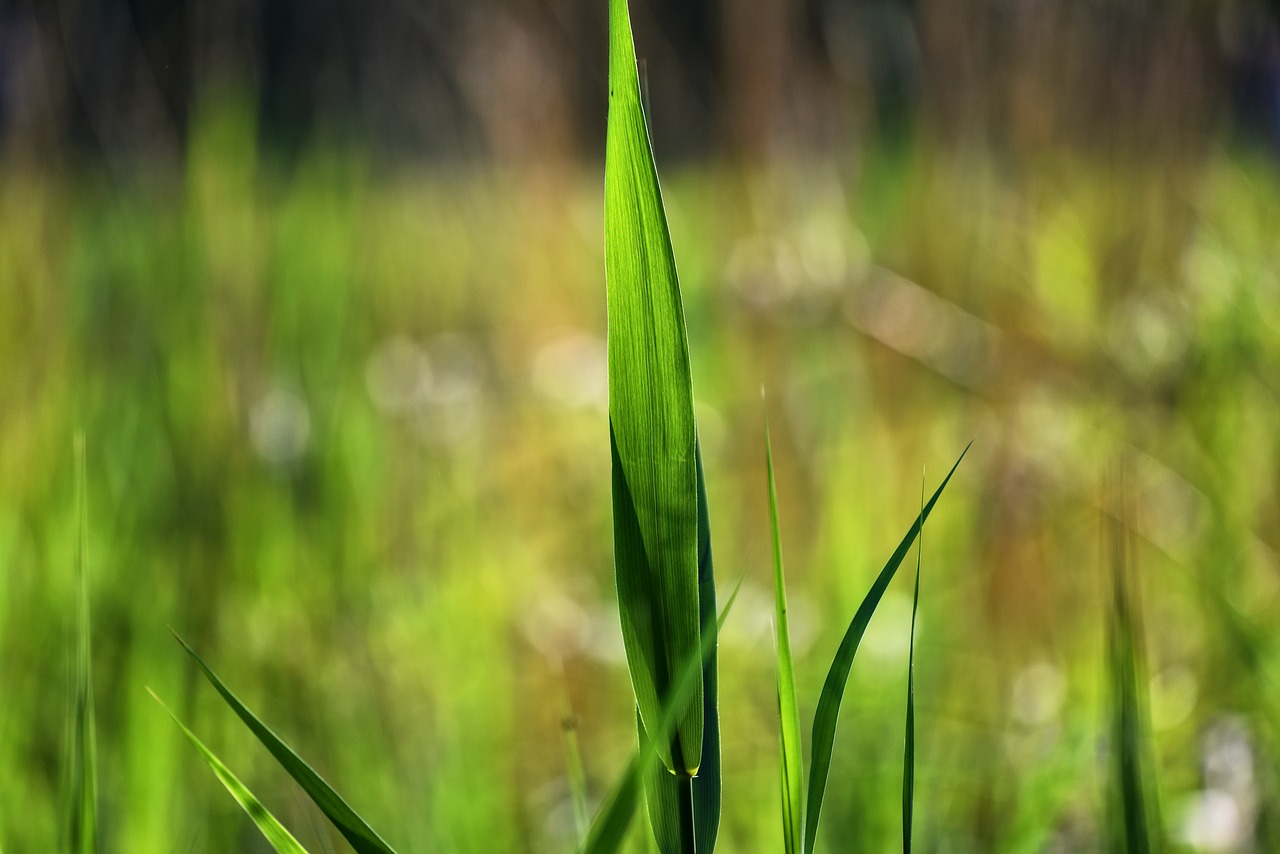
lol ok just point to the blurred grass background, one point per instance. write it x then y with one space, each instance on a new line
324 289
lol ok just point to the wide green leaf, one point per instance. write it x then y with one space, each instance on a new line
685 814
652 429
609 830
362 837
788 703
828 712
275 832
83 819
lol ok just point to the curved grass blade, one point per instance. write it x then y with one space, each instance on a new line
609 830
651 420
685 814
279 837
362 837
824 719
788 704
83 821
909 750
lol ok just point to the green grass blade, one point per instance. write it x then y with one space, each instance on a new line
652 428
84 775
609 830
577 774
362 837
280 838
1132 801
824 719
909 750
685 814
788 705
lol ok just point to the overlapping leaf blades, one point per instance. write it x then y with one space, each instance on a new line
276 834
652 430
363 838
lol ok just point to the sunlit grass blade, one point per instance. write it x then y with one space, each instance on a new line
788 705
1132 802
361 836
824 719
83 820
909 750
280 838
652 428
685 814
609 830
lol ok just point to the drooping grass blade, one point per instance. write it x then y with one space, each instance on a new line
652 429
788 704
824 719
685 814
83 820
1132 802
280 838
609 830
362 837
909 750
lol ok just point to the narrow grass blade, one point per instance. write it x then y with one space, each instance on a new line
609 830
1132 802
652 428
824 719
361 836
280 838
788 704
84 775
573 764
685 814
909 750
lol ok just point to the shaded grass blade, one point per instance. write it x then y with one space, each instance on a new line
577 774
652 429
909 750
280 838
1132 801
84 774
824 719
609 830
361 836
685 814
788 705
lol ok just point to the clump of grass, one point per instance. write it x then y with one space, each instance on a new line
800 823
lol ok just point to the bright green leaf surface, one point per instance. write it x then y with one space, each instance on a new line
685 814
652 427
609 830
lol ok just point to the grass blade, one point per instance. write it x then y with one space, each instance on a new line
280 838
824 719
909 750
362 837
84 759
652 428
573 763
1132 801
788 705
609 830
685 814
